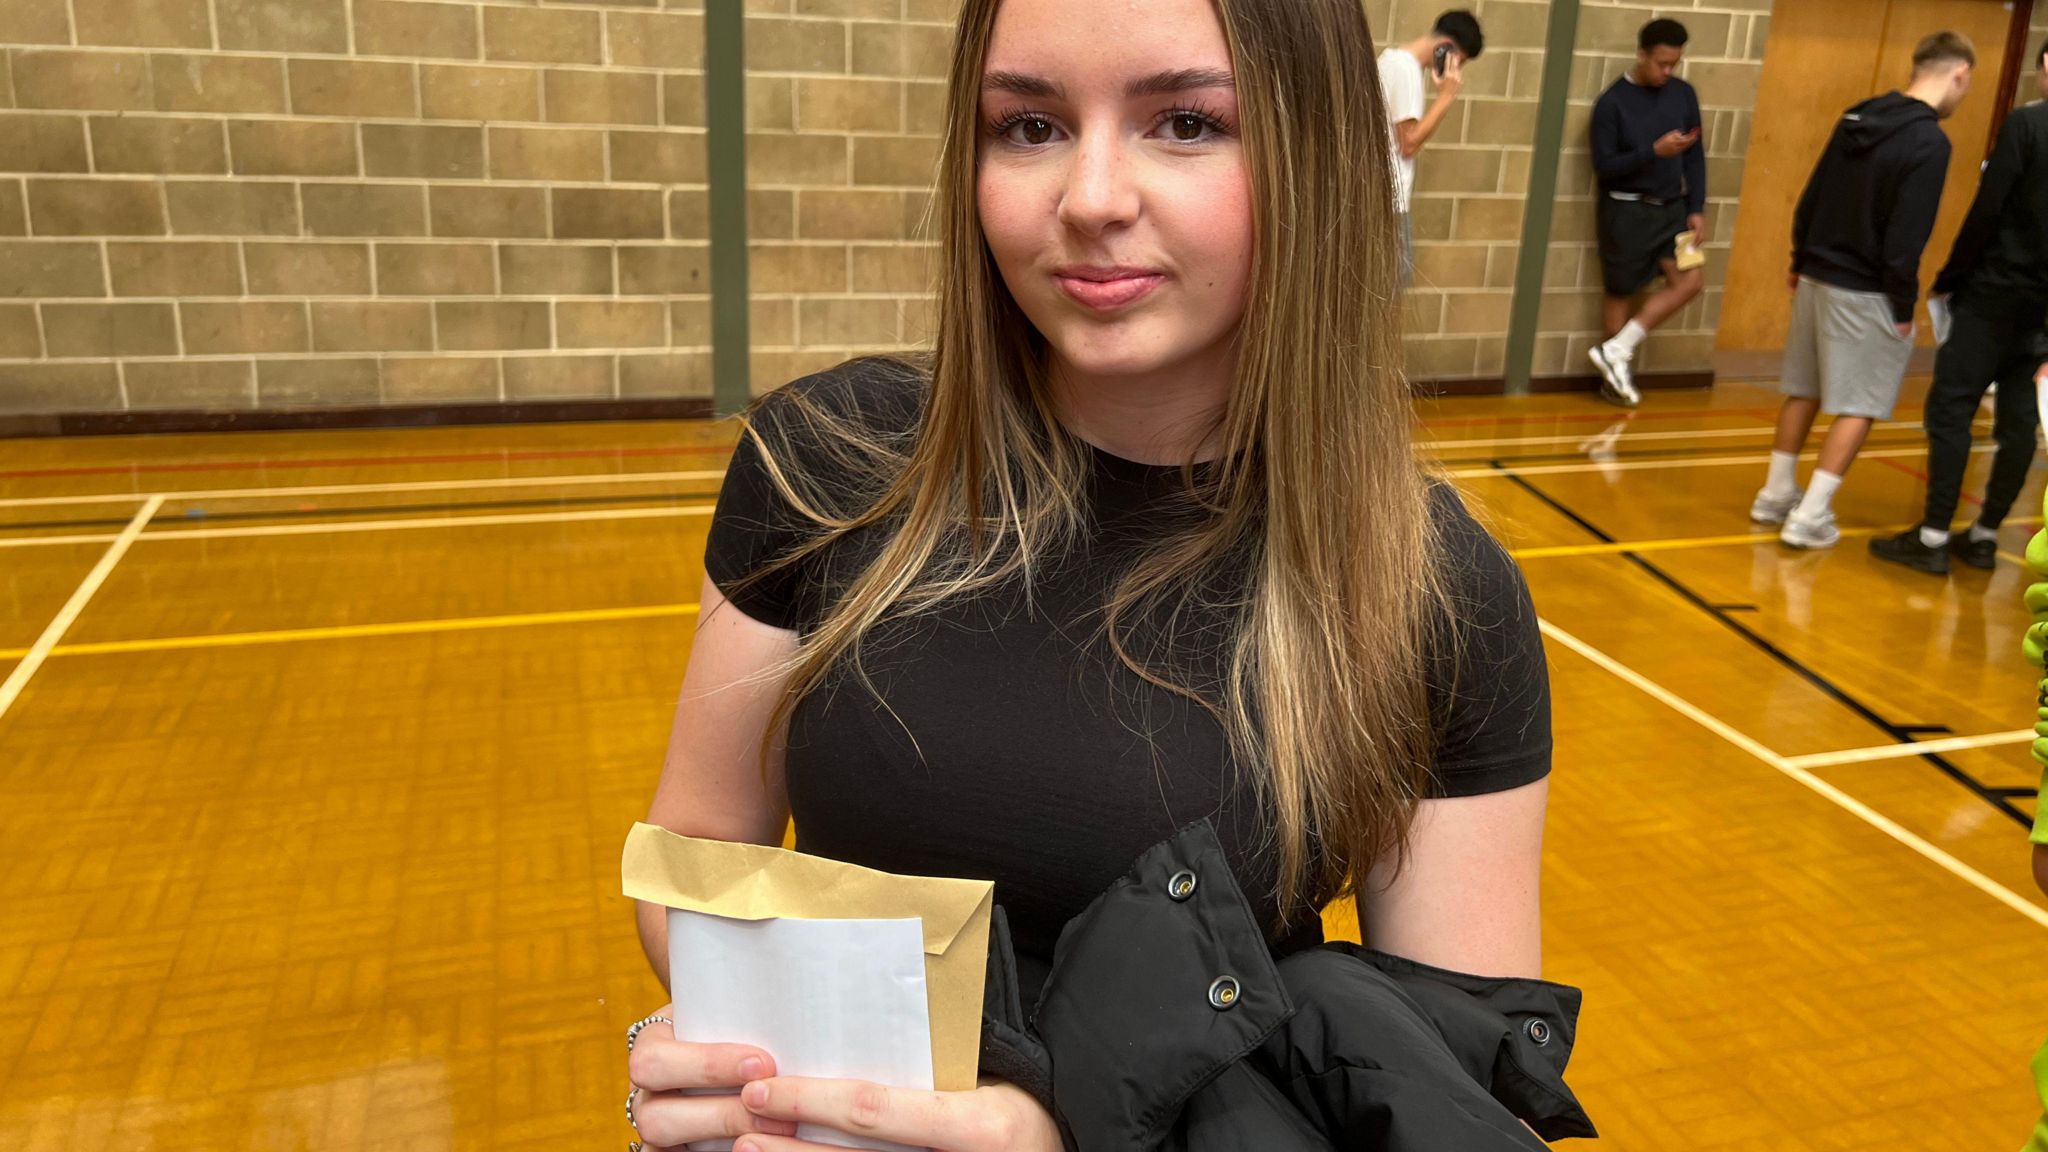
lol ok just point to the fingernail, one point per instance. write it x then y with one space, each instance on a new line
754 1095
753 1068
746 1146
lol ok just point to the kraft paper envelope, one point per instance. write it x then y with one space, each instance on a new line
752 882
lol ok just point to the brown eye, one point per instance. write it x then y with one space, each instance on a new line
1033 131
1187 127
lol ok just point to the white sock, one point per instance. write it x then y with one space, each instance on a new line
1784 475
1820 493
1979 533
1933 537
1623 346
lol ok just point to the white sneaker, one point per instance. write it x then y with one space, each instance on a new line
1618 378
1811 532
1769 509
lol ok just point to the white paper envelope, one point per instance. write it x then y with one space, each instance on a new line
749 882
840 999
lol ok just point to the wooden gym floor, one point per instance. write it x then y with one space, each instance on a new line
317 750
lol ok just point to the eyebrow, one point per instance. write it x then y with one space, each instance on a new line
1181 80
1020 84
1157 84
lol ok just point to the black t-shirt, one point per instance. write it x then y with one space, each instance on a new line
1013 746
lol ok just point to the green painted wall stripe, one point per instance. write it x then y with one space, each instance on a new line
725 112
1542 201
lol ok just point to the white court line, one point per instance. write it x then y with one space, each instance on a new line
1509 468
567 480
1634 437
1855 807
10 691
1915 748
40 541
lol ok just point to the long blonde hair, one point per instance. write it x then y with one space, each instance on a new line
1312 531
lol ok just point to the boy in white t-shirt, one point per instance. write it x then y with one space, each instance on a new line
1414 118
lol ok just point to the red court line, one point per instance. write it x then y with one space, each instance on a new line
1917 474
358 461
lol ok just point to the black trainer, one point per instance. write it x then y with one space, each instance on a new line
1906 548
1975 553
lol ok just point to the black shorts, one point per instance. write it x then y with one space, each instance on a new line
1634 236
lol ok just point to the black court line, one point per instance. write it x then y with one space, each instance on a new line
371 509
1902 733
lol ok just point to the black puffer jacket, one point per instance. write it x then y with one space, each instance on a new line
1168 1026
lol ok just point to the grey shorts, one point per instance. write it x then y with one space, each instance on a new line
1844 349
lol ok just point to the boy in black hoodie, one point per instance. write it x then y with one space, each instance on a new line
1997 278
1856 242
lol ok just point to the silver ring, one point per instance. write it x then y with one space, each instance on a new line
630 1093
633 1033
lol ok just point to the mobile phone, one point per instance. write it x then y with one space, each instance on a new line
1443 56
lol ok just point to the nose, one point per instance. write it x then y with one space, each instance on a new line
1101 192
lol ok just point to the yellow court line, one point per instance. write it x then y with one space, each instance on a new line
1620 546
360 631
565 480
2022 561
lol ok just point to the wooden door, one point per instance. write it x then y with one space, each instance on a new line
1822 57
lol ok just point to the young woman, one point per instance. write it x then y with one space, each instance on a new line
1145 542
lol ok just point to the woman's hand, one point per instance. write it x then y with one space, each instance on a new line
662 1067
992 1118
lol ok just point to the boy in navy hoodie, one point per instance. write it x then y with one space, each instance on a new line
1857 237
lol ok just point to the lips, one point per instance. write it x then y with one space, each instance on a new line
1106 289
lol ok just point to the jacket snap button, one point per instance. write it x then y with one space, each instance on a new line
1537 1031
1181 886
1223 993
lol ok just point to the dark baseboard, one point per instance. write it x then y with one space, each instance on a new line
569 411
1495 385
393 416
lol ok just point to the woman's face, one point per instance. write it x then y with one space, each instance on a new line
1112 184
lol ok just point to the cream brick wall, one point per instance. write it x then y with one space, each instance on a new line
275 203
846 99
1471 185
1724 62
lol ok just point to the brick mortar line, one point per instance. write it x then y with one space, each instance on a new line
169 178
286 57
288 117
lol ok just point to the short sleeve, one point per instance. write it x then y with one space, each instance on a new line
1489 683
756 531
1401 82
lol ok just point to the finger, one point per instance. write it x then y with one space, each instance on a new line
671 1119
901 1115
661 1063
780 1144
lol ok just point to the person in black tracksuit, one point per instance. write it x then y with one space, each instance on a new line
1997 280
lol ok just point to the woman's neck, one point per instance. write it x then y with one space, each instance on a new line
1164 417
